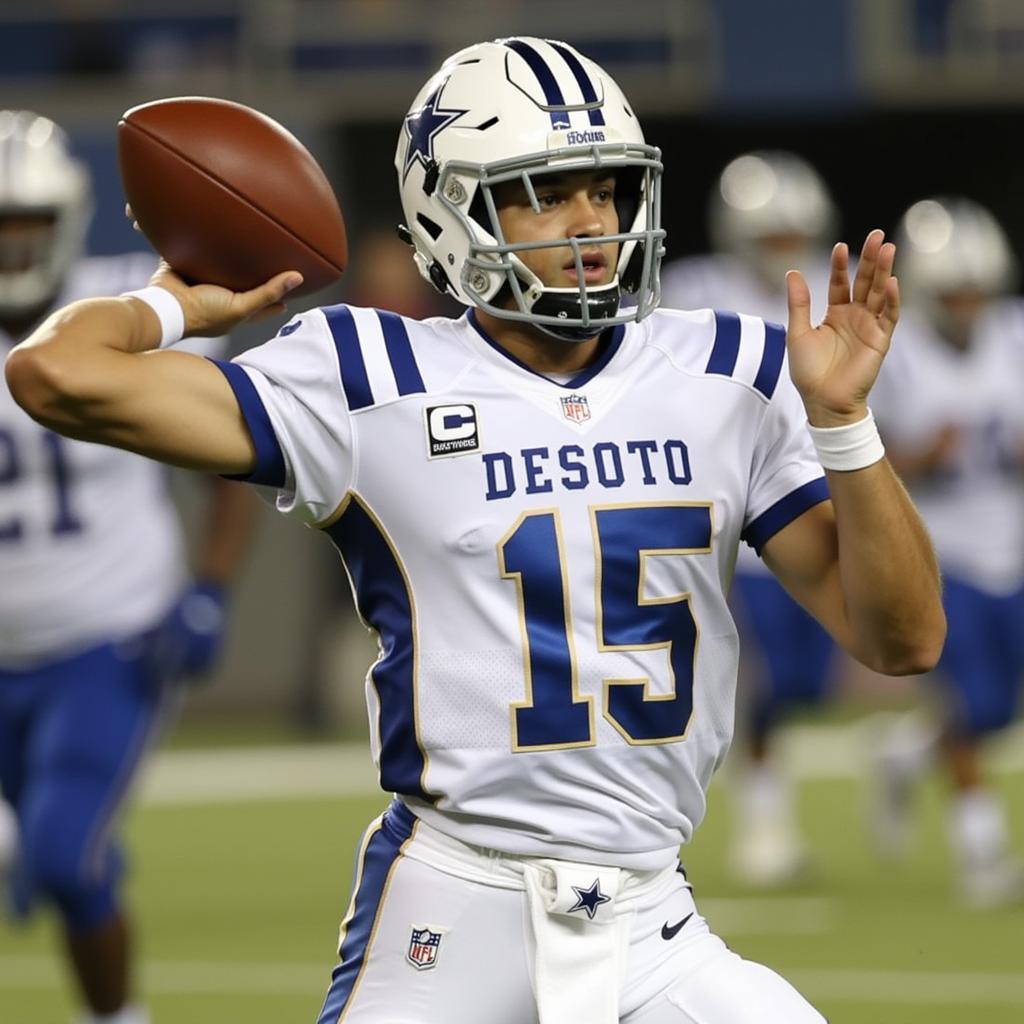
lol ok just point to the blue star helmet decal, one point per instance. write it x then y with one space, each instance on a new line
590 899
423 125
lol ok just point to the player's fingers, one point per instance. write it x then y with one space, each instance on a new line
866 265
799 297
839 278
270 293
891 309
876 296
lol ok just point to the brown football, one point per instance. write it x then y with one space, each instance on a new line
227 196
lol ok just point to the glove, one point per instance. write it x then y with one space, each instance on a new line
189 640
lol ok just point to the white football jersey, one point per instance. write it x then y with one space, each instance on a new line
546 565
724 281
974 508
90 543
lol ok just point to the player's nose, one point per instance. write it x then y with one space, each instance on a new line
584 216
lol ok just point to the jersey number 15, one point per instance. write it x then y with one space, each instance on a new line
555 715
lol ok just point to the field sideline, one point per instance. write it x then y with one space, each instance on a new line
244 860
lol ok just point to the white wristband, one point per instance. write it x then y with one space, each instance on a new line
168 311
850 447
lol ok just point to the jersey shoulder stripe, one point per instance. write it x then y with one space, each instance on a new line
403 362
772 357
749 350
726 347
375 357
350 357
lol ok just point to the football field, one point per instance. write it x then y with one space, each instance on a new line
242 868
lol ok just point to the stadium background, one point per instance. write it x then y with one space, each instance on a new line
244 862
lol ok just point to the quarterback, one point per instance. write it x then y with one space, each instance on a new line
538 506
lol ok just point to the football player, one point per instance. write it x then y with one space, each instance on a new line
769 212
538 505
98 613
952 415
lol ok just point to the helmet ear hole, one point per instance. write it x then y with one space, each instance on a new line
439 278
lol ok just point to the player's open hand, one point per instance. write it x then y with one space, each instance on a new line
212 311
835 364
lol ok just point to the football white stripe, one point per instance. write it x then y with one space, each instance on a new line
375 355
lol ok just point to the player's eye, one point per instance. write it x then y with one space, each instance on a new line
547 200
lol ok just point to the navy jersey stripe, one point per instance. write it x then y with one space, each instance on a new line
403 362
582 80
384 601
350 357
546 79
771 360
726 349
382 853
269 469
784 511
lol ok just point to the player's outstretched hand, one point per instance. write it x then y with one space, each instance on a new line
835 364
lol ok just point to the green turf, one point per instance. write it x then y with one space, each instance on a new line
240 905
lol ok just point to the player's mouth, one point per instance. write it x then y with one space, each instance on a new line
595 265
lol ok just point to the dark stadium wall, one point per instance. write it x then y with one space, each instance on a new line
876 164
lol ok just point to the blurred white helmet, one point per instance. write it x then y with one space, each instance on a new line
951 244
510 110
766 195
39 176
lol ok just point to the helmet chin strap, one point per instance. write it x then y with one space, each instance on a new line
566 303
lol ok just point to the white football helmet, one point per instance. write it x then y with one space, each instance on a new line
951 244
952 256
510 110
764 195
38 175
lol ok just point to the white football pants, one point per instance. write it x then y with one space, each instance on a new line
439 932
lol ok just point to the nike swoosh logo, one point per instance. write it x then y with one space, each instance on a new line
671 931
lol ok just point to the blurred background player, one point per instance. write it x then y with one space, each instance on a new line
769 212
97 614
953 420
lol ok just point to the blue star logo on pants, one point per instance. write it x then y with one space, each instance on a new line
590 899
423 125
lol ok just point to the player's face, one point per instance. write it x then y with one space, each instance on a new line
960 312
24 240
578 204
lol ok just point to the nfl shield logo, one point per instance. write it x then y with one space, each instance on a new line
423 948
576 408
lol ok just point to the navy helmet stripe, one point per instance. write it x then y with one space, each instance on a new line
350 357
403 362
771 359
382 852
546 78
384 601
582 80
727 344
